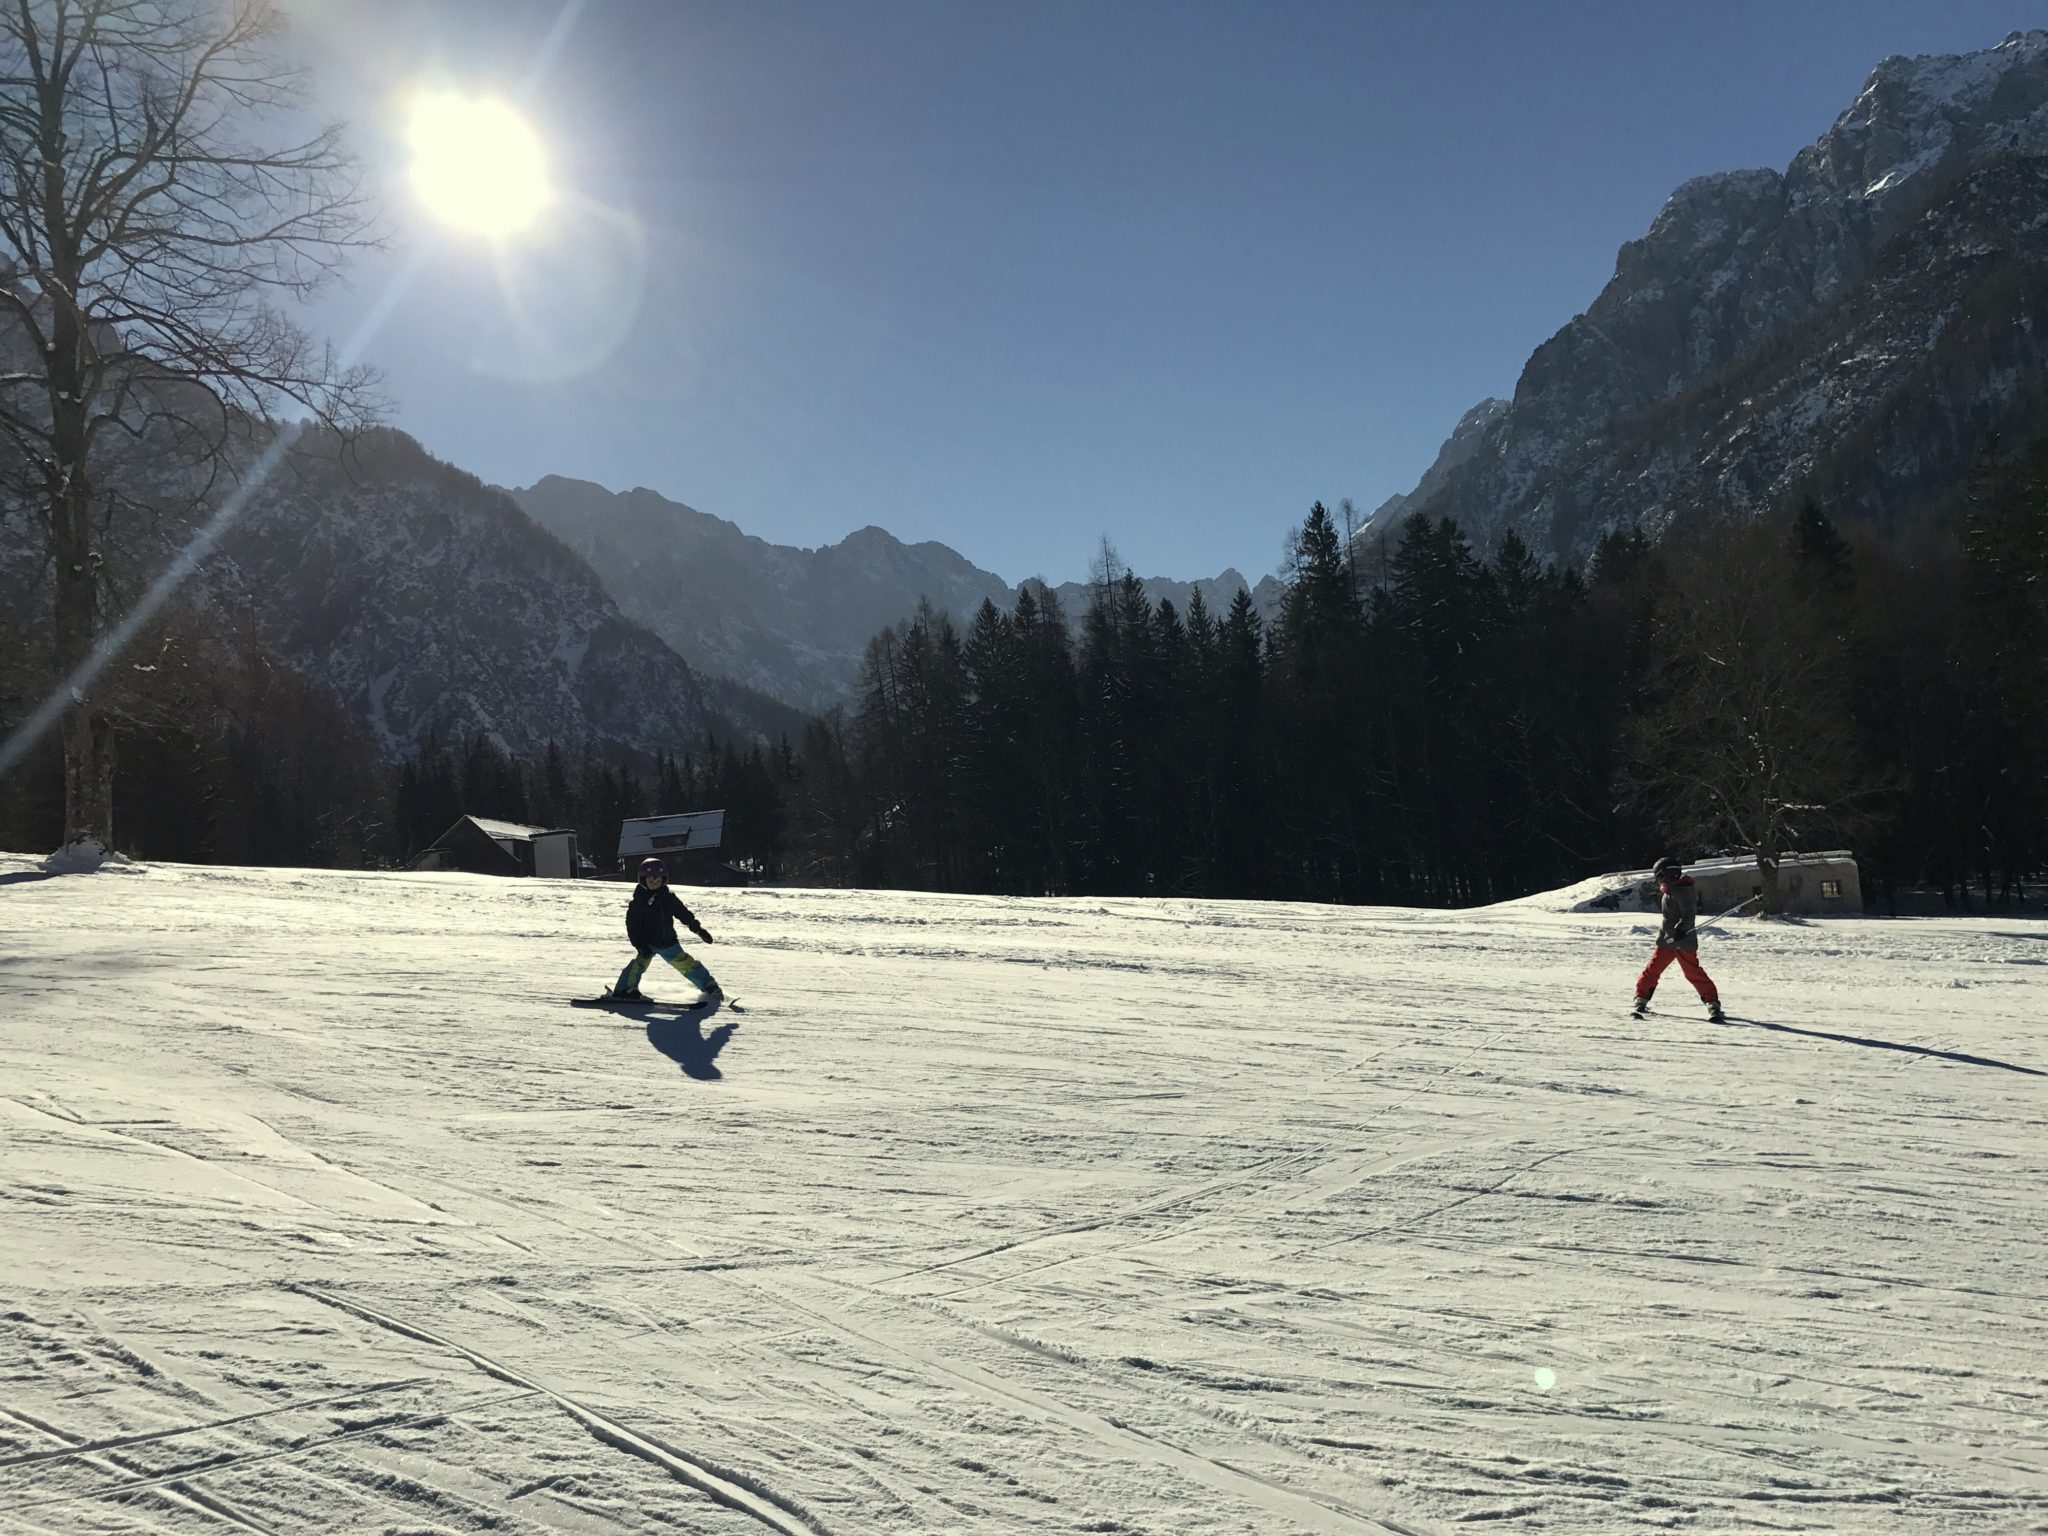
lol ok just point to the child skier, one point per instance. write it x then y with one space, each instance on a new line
651 924
1677 940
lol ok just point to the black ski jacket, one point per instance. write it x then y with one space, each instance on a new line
651 919
1681 910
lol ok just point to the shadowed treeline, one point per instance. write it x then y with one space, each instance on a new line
1418 725
1421 725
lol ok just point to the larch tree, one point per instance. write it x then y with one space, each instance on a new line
149 233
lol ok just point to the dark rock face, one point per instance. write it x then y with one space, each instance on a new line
1849 326
427 602
424 602
1466 439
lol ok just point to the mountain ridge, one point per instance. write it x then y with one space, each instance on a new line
424 602
1734 269
483 624
788 620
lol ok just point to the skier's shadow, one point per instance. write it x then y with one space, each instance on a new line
1893 1045
683 1042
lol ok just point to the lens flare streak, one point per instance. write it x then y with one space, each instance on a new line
514 191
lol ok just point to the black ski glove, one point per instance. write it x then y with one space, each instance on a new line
703 935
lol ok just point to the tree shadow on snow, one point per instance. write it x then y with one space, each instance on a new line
685 1044
1892 1045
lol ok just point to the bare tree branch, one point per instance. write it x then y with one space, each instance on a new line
1748 740
151 228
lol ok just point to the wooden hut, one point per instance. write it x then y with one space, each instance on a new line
481 847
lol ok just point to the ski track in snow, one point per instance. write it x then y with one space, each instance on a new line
321 1212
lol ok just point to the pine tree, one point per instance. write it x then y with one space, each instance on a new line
1823 562
1050 727
995 786
2005 551
829 817
553 800
1243 841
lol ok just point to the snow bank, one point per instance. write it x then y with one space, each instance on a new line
1622 892
84 856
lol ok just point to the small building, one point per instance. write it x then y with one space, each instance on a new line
691 844
480 847
1813 883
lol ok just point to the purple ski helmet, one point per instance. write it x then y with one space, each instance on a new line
653 867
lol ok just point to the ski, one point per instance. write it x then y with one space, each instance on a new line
1667 1013
622 1005
646 1002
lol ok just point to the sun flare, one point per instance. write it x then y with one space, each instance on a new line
477 164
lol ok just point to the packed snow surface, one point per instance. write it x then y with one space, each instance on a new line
320 1212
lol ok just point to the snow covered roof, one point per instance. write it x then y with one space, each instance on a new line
1598 892
1729 863
693 832
512 829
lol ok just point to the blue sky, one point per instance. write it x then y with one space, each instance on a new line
1017 276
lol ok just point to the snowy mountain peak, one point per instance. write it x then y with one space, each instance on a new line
1480 417
1959 81
1701 210
1936 114
1792 297
873 540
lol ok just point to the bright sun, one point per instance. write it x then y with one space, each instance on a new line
477 164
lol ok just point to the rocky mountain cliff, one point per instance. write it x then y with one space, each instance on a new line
1465 440
790 622
1852 326
422 600
427 602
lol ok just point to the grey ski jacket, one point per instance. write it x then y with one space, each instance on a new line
1681 910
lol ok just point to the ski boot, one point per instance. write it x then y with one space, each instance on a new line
1714 1013
1642 1008
634 996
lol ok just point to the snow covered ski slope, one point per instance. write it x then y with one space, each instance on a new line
320 1213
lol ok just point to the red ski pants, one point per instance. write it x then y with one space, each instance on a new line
1688 962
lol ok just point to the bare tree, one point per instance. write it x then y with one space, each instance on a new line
147 234
1748 740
